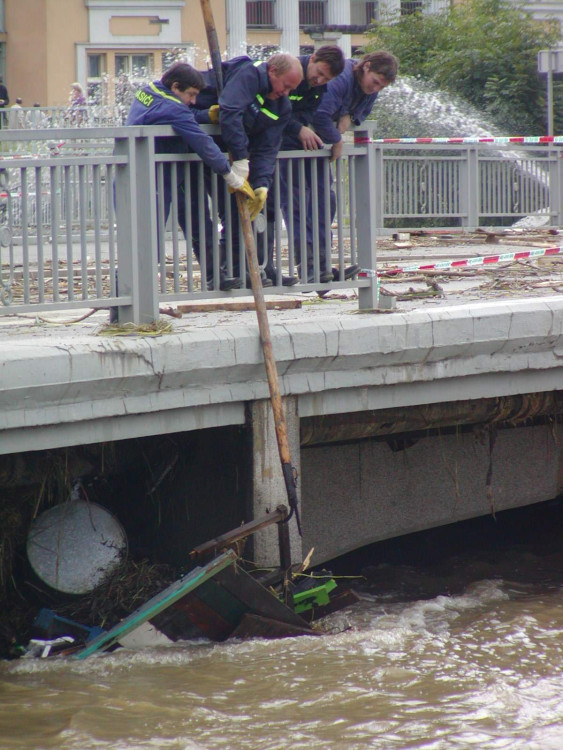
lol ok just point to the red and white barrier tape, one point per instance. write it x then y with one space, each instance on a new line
468 139
466 262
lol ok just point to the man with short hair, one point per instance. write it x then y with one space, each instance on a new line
318 69
253 110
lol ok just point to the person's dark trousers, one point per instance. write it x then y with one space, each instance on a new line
268 242
295 218
200 219
200 228
238 250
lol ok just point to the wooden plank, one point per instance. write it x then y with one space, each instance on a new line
240 532
255 597
158 603
223 602
238 305
191 617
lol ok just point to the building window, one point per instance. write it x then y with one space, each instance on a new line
96 69
2 15
96 66
411 6
364 12
138 66
131 71
260 13
312 12
178 54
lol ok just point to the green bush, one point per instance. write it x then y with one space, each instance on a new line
484 51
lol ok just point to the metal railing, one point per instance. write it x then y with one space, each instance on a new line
468 185
94 218
79 205
87 116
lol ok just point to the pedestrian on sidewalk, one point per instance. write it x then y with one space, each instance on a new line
15 115
76 113
4 101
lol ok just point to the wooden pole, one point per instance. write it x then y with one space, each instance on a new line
288 470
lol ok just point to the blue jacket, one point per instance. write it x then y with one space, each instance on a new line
304 101
343 97
156 105
251 125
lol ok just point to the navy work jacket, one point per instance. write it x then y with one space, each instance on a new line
156 105
343 97
304 102
251 124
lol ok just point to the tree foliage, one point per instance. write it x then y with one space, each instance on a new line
482 50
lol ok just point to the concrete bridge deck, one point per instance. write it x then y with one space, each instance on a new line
489 335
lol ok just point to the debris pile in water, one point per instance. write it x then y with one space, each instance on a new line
125 589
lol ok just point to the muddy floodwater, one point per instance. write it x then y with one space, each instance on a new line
456 643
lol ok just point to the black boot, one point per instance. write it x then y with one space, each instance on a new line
285 280
266 282
226 283
349 272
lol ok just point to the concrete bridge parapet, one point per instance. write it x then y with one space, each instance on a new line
331 364
62 388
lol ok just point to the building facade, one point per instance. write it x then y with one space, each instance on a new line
110 45
106 45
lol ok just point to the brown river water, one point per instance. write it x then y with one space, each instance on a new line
456 643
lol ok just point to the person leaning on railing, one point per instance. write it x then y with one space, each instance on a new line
252 110
169 102
318 69
349 99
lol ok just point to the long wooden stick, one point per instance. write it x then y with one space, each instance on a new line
288 470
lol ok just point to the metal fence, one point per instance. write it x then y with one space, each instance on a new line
95 218
468 185
87 116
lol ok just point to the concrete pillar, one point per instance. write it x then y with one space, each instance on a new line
268 483
287 19
236 28
338 12
327 37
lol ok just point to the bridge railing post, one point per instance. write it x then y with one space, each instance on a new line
135 209
470 196
369 213
556 187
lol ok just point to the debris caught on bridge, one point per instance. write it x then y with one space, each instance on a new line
225 597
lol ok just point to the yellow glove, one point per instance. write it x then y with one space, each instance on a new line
214 114
237 183
245 189
257 204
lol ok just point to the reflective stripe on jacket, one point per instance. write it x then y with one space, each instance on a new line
156 105
251 124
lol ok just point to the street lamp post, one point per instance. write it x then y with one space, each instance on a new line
550 61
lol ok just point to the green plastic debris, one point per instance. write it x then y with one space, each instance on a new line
317 597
